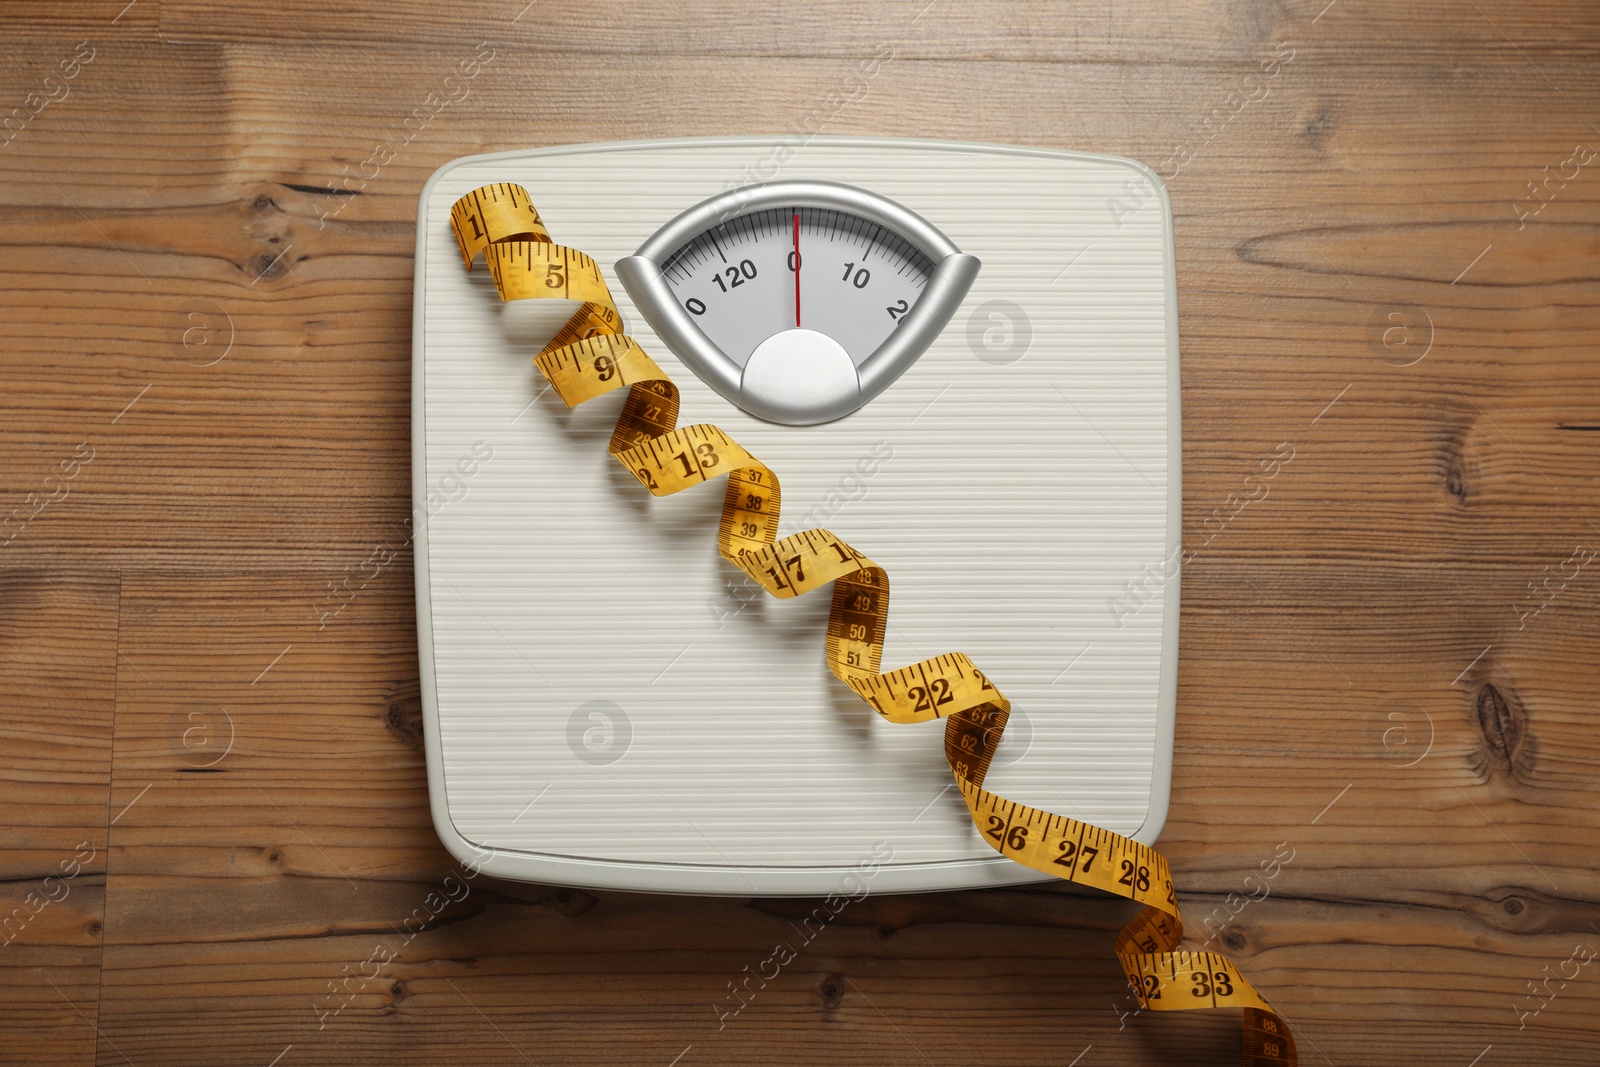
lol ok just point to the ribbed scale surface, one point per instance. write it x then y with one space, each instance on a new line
1005 518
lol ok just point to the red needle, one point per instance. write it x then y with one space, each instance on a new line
797 268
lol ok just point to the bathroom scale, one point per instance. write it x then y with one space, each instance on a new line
962 358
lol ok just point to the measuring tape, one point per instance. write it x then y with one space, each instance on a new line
589 357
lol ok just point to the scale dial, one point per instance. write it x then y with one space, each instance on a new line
800 300
857 280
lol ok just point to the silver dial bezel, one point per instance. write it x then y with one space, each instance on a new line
951 276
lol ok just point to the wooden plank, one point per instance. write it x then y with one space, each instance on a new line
516 972
260 708
58 651
92 20
1142 31
58 632
50 975
1409 695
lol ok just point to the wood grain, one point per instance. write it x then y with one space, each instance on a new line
1361 682
58 653
1103 31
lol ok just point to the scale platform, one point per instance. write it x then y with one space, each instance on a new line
609 704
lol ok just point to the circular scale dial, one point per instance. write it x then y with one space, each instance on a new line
799 301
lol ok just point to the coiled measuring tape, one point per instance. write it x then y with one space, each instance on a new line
589 358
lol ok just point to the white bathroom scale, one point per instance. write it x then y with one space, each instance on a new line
980 392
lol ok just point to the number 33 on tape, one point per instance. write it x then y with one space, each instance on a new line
588 358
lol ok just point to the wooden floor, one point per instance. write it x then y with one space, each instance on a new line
215 809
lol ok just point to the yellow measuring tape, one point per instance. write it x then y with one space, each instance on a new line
588 358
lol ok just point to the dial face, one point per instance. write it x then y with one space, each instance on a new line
800 300
856 279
